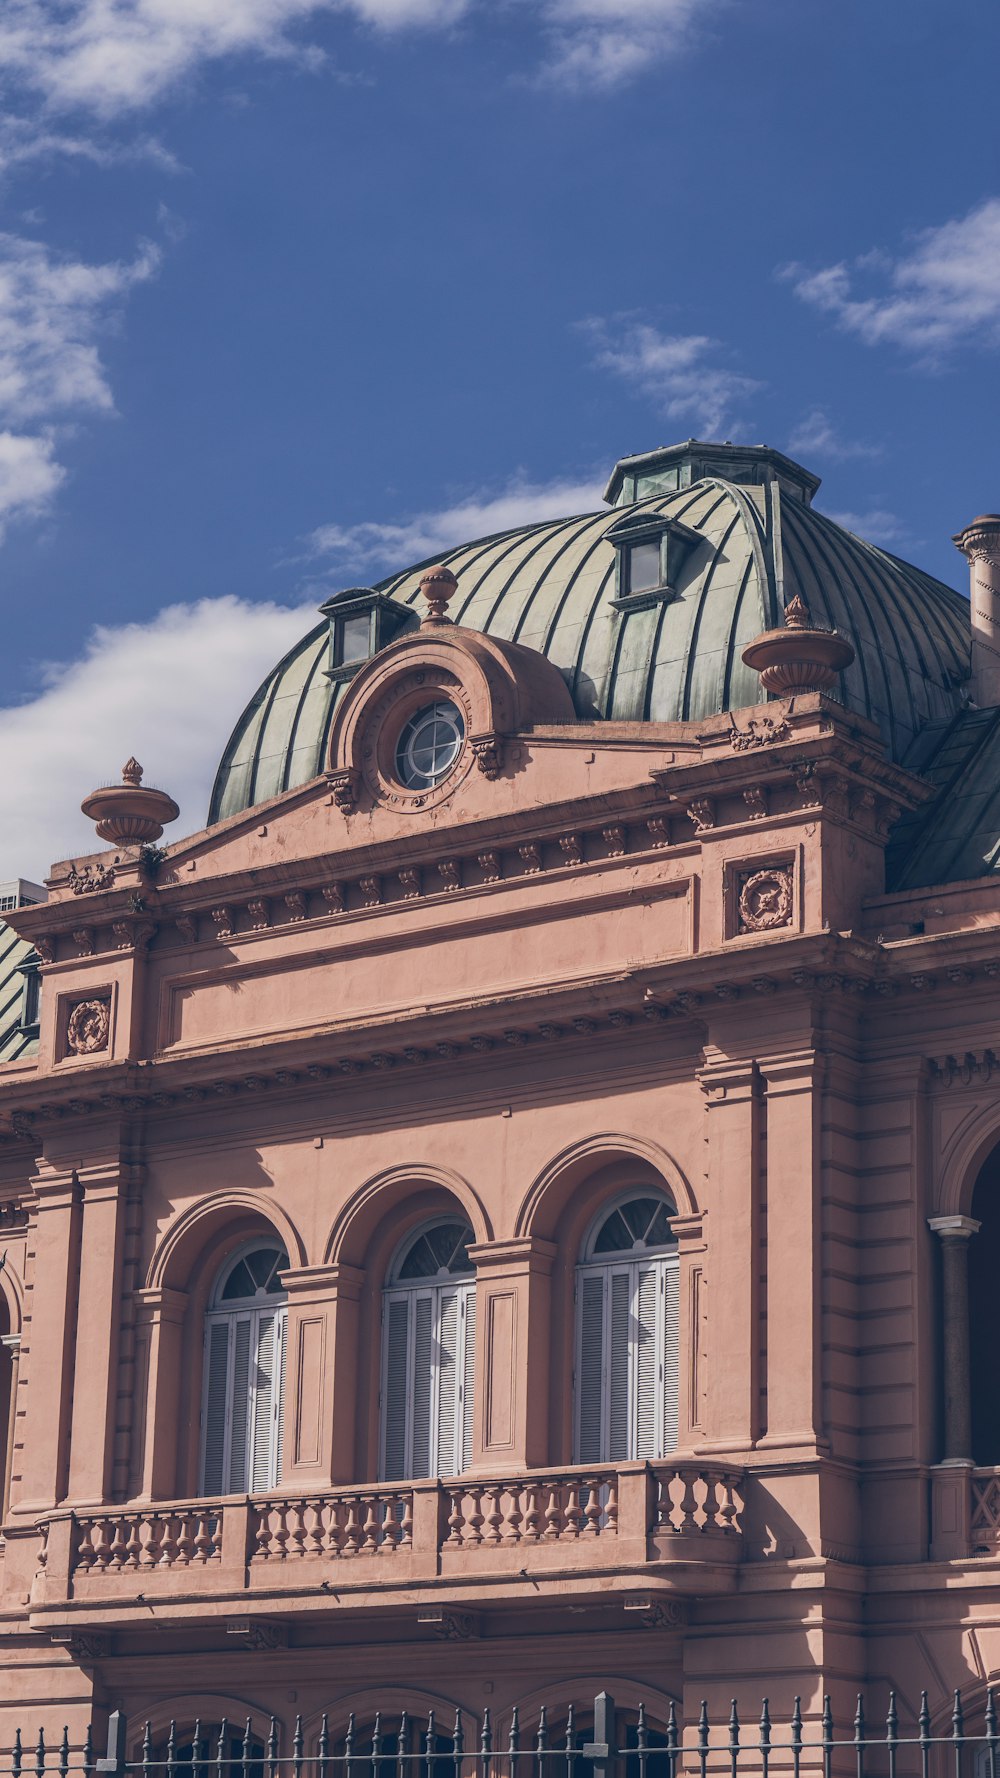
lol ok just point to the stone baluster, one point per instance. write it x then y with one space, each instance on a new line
185 1542
86 1552
169 1553
116 1551
133 1544
281 1529
592 1510
611 1509
371 1525
476 1515
494 1516
512 1522
689 1503
711 1482
532 1516
574 1511
298 1509
202 1537
316 1529
553 1511
405 1537
456 1519
352 1530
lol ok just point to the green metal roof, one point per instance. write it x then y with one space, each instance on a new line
551 586
956 836
14 1040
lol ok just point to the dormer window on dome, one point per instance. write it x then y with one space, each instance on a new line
651 550
362 621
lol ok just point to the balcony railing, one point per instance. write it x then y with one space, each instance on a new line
621 1518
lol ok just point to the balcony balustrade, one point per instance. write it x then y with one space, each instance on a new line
624 1521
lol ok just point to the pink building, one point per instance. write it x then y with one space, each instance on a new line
511 1205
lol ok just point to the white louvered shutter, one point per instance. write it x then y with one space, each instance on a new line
620 1411
422 1402
237 1479
468 1376
445 1460
671 1354
264 1401
215 1396
590 1367
647 1361
395 1388
281 1336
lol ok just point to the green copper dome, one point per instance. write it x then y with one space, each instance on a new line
738 538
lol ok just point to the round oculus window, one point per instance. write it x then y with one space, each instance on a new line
429 745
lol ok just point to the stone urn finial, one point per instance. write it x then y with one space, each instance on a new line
799 657
438 586
130 813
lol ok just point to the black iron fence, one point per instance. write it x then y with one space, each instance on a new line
556 1743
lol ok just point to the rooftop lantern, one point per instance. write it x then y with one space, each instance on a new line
799 657
130 813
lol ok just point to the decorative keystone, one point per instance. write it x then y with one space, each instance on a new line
130 813
438 586
799 657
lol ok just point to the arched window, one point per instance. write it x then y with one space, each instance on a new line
244 1389
428 1351
627 1300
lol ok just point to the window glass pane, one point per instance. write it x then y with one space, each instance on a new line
354 635
643 566
663 481
440 1249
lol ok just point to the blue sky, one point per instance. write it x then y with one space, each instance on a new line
292 294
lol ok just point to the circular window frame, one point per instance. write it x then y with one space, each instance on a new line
438 711
384 724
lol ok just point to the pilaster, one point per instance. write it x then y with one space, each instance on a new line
732 1094
513 1305
321 1375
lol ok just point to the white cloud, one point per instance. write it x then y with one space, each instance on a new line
943 293
816 436
605 43
52 308
875 526
679 373
396 545
169 691
107 58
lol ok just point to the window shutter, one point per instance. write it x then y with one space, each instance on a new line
395 1388
590 1368
671 1355
265 1379
281 1358
619 1417
238 1479
647 1362
216 1402
468 1376
423 1385
447 1385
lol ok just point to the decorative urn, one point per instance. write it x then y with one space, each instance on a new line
130 813
799 657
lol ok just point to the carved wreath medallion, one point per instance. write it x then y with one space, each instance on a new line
766 899
88 1028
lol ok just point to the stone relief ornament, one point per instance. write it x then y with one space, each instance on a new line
766 899
88 1027
488 752
91 880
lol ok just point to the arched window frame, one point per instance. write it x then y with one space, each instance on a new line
427 1369
626 1380
243 1384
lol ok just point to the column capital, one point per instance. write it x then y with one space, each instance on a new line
160 1302
956 1227
339 1279
525 1253
12 1343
